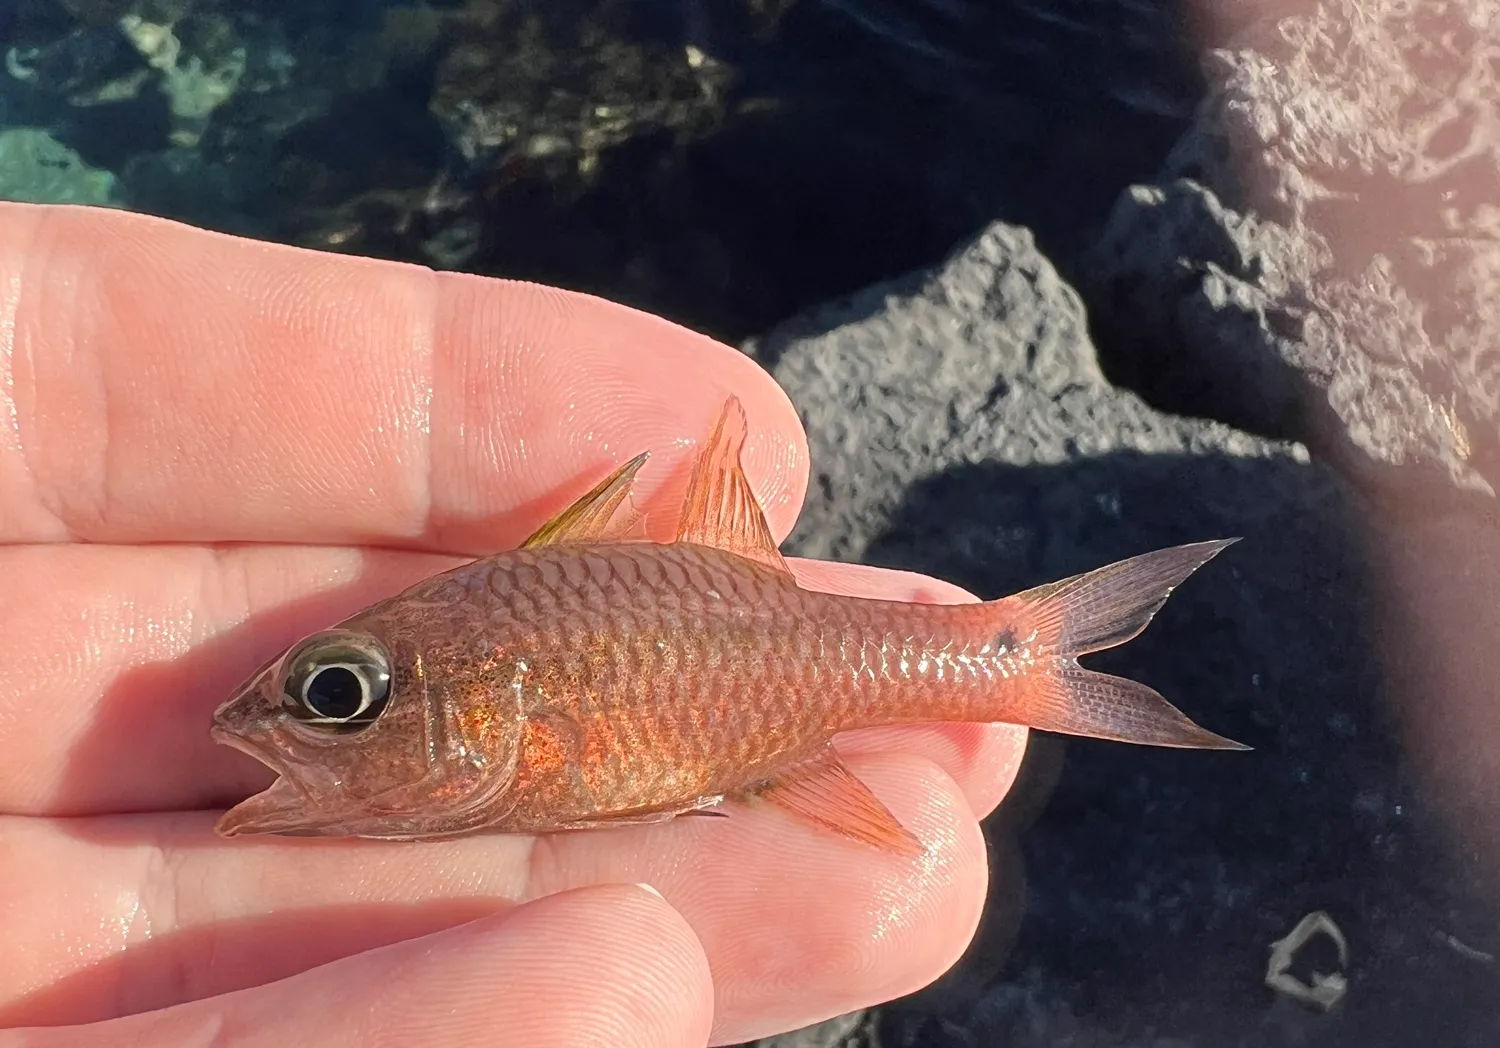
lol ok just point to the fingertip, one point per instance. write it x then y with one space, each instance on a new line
613 964
625 947
552 384
984 759
948 890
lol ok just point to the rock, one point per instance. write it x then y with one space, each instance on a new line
984 361
844 1031
1318 257
109 12
1436 580
959 425
731 164
556 86
36 168
194 85
86 65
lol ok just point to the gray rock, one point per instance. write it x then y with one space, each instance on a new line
985 360
844 1031
960 426
1318 258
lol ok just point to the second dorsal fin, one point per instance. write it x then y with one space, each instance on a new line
594 517
720 509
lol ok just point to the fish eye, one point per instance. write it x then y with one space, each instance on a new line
338 681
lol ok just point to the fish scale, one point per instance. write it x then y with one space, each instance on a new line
760 701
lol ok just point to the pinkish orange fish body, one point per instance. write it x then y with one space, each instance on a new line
591 679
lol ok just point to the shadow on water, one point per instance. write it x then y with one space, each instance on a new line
1157 880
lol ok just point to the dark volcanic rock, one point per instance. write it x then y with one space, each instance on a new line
1320 258
845 1031
959 426
983 361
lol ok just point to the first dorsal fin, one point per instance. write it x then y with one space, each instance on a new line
720 509
593 517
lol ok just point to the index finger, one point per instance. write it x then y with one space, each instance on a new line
160 382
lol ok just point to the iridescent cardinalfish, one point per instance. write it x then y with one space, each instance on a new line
593 678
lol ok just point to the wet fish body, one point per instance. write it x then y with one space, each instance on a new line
593 679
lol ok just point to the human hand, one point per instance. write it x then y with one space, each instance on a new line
214 446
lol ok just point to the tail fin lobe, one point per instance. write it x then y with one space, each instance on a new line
1076 701
1108 606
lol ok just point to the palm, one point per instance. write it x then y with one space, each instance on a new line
212 447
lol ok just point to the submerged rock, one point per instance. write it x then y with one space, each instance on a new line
36 168
560 84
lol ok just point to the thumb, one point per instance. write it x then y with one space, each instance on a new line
611 965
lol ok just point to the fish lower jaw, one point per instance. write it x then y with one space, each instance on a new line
280 808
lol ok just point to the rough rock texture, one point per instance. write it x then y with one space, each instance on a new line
563 84
986 359
1319 257
959 425
846 1031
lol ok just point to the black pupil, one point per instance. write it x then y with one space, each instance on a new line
334 693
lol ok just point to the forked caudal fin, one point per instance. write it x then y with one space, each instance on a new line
1097 610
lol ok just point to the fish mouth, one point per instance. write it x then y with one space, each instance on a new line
280 808
235 741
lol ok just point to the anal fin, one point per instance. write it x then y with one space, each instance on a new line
824 792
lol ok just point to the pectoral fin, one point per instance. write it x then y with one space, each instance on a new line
720 509
595 516
824 792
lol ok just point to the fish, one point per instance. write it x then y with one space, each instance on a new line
594 678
